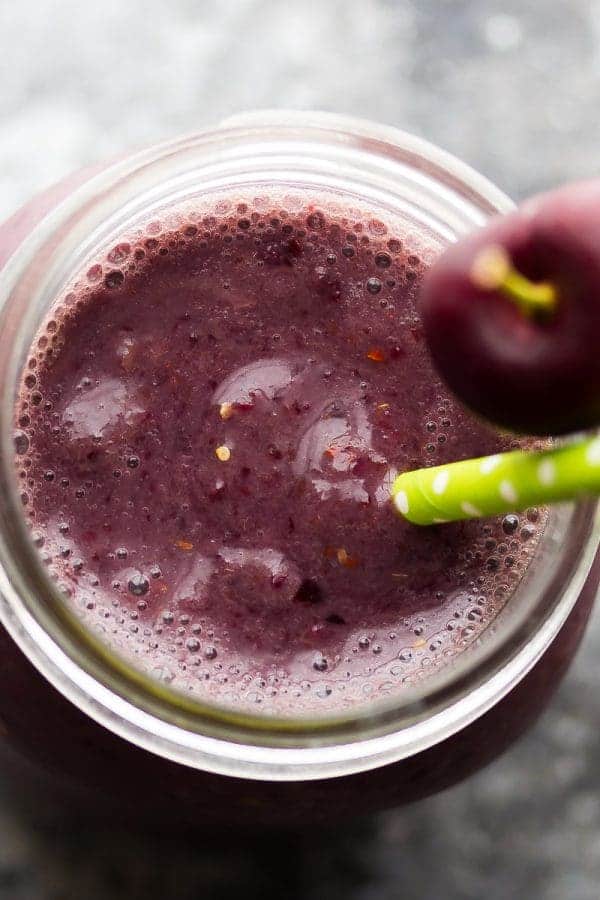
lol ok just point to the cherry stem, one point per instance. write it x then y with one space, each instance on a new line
493 270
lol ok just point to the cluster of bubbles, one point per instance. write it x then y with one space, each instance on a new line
183 649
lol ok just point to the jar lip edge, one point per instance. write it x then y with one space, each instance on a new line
341 123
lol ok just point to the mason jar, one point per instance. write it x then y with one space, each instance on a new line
89 719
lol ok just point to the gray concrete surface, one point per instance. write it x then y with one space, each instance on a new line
511 86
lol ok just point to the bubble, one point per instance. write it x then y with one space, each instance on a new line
94 274
377 227
121 553
319 663
138 585
315 220
210 652
383 260
133 462
510 524
373 285
192 644
114 279
364 643
21 442
119 253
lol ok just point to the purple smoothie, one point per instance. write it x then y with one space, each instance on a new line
207 432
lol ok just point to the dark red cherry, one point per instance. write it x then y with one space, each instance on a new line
512 314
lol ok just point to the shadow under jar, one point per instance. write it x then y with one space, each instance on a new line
212 367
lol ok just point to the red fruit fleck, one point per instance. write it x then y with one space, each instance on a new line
184 545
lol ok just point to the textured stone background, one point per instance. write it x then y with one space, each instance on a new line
511 86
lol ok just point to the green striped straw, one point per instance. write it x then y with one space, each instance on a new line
495 485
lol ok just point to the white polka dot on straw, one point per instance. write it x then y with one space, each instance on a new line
401 501
440 482
508 492
593 453
546 472
489 464
470 510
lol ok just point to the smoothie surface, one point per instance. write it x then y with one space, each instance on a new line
207 430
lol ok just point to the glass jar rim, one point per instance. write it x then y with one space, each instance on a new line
160 719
